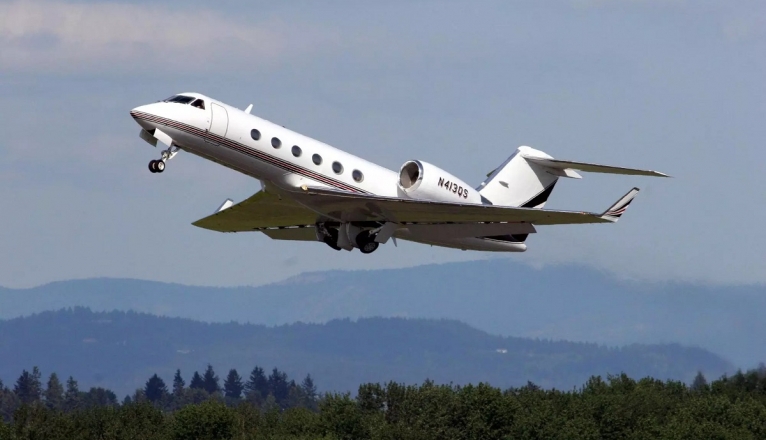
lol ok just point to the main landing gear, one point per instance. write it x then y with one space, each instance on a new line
348 237
158 166
366 243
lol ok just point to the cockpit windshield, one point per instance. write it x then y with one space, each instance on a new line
180 99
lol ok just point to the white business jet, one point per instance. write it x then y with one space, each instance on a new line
314 192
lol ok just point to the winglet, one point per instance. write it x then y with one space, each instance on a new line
228 203
618 209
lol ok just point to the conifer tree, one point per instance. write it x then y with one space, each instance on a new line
72 398
54 393
196 382
210 380
278 385
155 389
232 386
28 387
178 383
257 384
309 389
700 383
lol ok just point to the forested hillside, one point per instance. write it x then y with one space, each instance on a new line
119 350
498 296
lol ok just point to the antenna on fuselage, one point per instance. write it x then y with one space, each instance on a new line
249 107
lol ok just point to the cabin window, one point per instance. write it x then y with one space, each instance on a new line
337 167
200 104
276 143
297 151
317 159
357 175
255 134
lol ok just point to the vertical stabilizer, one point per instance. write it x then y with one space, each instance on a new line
518 182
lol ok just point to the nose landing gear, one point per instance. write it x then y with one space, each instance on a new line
158 166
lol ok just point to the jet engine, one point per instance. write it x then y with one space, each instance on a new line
423 181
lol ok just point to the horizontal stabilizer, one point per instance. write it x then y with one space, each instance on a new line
591 167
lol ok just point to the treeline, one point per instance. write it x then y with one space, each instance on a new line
259 390
616 408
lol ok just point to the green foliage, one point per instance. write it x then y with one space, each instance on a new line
72 399
232 386
257 386
5 431
155 389
28 387
196 382
210 381
615 407
54 393
208 421
178 383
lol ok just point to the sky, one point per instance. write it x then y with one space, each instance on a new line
674 86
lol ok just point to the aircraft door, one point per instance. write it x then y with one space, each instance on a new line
219 120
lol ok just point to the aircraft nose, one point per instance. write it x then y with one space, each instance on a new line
143 115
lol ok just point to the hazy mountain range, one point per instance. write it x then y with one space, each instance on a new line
121 350
498 296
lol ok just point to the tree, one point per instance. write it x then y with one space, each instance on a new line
196 382
232 386
28 387
209 420
72 397
309 389
98 397
278 385
210 380
178 384
257 387
54 393
700 383
155 389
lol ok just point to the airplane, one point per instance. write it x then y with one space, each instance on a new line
312 191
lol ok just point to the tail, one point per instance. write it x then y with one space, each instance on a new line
527 178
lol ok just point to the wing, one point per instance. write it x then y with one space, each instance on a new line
350 207
262 210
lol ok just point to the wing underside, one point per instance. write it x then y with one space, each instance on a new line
262 210
347 207
294 217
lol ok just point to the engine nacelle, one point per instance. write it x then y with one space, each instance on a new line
423 181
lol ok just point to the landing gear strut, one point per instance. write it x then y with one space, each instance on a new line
331 238
158 166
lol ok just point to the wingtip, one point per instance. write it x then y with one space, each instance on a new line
618 209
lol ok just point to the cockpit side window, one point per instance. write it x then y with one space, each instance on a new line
180 99
199 104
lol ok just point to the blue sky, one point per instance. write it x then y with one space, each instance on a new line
676 86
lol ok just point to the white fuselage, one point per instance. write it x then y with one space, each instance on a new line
285 159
